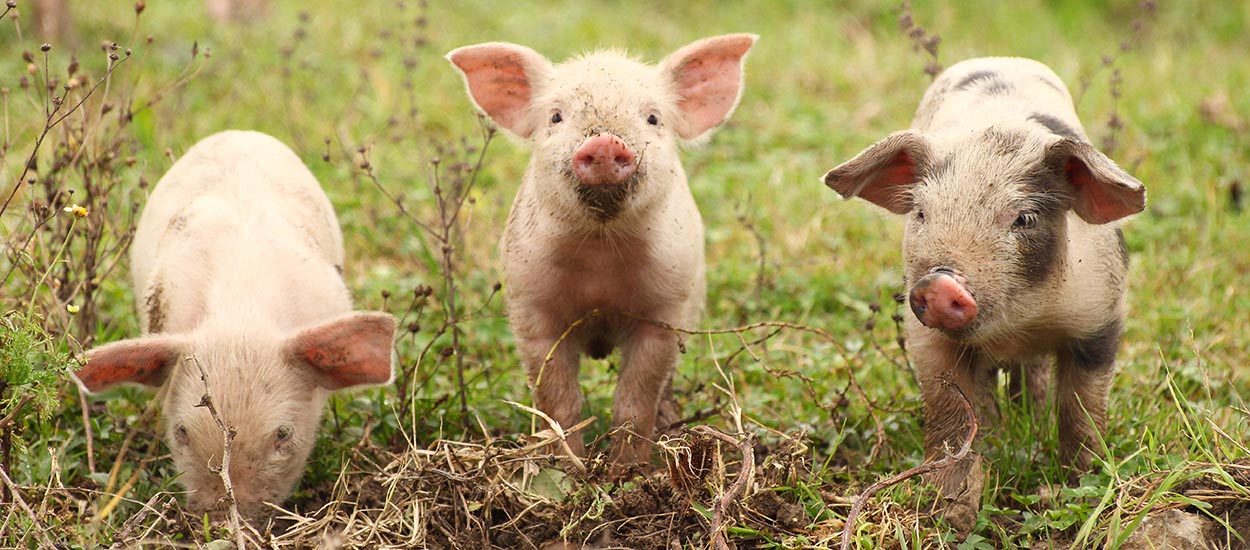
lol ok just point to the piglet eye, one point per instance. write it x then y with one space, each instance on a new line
180 435
653 120
556 118
920 215
1025 220
283 434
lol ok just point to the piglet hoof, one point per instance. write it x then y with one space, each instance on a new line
960 499
628 456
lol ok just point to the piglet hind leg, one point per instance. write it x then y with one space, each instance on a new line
1084 372
668 418
1028 385
554 385
647 364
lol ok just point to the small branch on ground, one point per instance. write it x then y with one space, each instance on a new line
761 243
123 535
450 199
930 466
746 446
34 519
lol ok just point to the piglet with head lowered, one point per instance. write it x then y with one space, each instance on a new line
604 219
1012 254
236 262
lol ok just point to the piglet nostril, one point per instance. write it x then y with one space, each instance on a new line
919 305
584 159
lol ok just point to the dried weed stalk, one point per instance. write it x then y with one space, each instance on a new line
227 435
452 187
1138 27
921 39
453 175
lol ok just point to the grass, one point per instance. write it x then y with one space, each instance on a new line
823 82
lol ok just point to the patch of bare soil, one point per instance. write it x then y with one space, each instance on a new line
1226 504
1224 524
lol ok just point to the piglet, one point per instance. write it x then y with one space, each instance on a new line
1012 252
237 263
604 220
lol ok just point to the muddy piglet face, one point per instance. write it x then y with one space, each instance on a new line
268 389
986 237
604 127
272 411
608 124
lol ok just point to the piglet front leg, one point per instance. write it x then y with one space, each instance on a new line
649 358
554 384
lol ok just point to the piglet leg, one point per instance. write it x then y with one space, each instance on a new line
554 384
647 364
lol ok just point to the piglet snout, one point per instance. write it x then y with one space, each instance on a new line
604 160
940 300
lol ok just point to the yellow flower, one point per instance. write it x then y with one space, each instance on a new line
72 309
79 211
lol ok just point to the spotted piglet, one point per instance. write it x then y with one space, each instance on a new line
236 261
1013 254
603 220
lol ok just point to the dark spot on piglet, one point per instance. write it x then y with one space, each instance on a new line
1122 245
997 87
1039 249
1049 82
154 308
975 77
1055 126
1097 351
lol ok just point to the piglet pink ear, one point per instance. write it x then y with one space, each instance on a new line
350 351
708 78
885 172
1103 192
144 361
501 79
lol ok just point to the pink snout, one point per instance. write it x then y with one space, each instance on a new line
941 301
604 160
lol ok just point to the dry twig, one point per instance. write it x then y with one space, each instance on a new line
227 434
560 432
34 520
746 446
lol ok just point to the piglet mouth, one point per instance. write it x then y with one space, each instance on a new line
941 300
605 202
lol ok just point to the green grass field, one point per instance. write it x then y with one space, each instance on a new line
361 92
